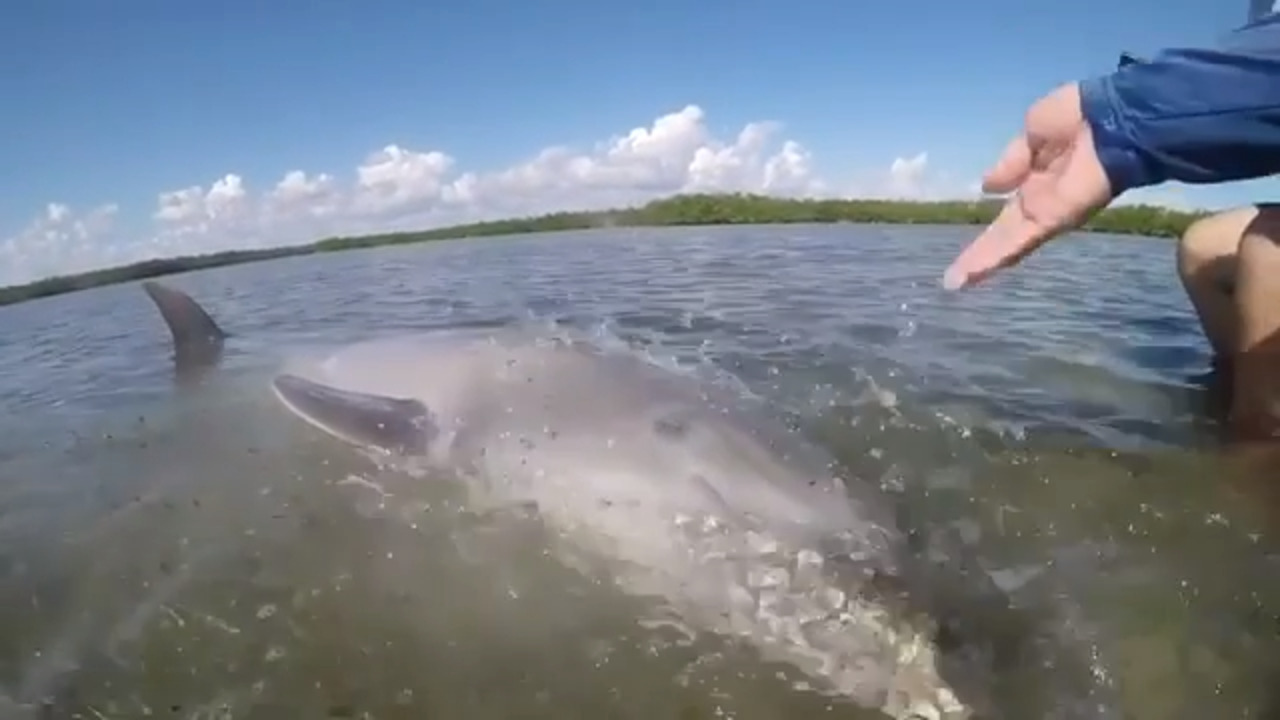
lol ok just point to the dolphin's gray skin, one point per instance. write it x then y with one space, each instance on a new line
197 339
732 518
736 521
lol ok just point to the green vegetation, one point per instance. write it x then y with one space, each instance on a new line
678 210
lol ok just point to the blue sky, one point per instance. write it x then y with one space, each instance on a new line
113 103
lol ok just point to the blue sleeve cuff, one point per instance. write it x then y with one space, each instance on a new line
1196 115
1117 150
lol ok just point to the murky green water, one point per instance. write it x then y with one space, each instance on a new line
198 553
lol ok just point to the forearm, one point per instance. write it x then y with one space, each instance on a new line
1203 115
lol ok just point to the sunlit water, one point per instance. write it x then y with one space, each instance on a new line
198 552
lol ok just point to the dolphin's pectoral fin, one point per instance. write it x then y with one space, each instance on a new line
395 425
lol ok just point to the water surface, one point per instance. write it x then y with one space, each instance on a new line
198 553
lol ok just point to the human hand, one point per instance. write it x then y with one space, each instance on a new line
1057 181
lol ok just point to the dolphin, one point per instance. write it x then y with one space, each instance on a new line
696 494
198 341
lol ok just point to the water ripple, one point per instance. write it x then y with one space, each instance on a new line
996 409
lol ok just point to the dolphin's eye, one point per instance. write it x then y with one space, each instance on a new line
671 427
947 636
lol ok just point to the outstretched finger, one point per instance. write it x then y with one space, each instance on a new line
1011 170
1008 239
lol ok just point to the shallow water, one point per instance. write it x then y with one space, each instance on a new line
196 552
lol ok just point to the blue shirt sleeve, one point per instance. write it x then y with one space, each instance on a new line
1259 9
1196 115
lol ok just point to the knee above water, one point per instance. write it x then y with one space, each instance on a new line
1260 245
1205 240
1213 240
1193 250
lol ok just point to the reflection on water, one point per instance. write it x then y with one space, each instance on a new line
198 554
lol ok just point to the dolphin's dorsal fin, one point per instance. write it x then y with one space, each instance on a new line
393 425
197 339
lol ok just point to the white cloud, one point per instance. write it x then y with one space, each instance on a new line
912 178
907 174
296 193
394 180
398 188
61 241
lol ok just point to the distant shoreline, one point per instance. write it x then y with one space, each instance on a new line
680 210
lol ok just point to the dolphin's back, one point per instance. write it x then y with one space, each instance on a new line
738 453
568 403
701 498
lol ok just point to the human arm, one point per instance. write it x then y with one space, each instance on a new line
1196 115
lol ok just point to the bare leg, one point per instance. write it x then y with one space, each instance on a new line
1207 267
1255 404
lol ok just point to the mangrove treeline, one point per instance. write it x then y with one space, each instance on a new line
701 209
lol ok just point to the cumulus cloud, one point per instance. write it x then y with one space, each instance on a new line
61 241
913 178
397 188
